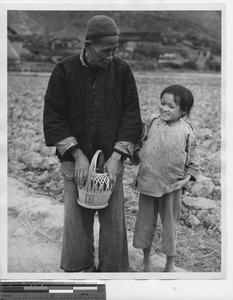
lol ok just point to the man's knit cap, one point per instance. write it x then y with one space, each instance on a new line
100 26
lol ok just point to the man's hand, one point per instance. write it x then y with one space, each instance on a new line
180 184
111 166
81 167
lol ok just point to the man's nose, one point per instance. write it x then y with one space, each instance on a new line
109 56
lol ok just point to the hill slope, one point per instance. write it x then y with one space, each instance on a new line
203 23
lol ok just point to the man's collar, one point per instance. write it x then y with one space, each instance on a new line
82 57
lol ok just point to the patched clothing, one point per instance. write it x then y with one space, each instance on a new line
168 153
168 207
93 107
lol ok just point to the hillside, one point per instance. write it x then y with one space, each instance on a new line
205 24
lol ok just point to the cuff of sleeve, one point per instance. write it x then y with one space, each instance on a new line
193 174
123 154
65 145
125 148
70 149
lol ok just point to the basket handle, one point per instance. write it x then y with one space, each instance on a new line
92 167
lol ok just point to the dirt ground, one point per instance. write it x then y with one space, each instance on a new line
35 234
30 161
39 254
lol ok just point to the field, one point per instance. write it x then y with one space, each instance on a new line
199 244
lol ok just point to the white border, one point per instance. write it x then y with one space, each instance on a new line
131 289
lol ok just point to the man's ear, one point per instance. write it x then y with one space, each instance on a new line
88 43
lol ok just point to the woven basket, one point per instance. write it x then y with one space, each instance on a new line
97 191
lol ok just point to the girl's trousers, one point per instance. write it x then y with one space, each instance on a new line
168 206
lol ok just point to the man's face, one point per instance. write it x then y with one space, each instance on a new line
102 50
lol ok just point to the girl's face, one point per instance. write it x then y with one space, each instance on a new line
170 111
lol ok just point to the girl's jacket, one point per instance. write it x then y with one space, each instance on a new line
168 153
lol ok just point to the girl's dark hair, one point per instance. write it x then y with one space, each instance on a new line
182 97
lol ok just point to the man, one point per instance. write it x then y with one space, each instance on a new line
91 103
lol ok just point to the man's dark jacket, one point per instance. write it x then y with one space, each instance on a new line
98 110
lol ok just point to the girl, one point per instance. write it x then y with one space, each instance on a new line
168 156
